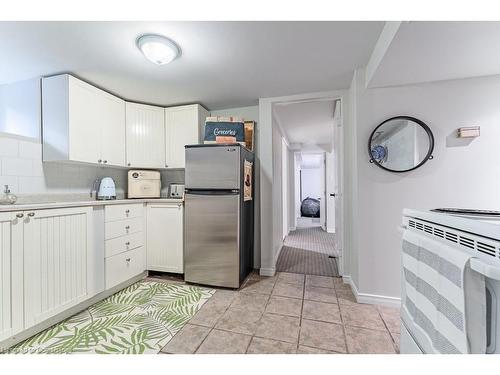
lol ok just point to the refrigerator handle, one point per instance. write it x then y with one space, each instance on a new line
212 192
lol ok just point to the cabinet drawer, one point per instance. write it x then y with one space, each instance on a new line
123 211
124 243
120 228
121 267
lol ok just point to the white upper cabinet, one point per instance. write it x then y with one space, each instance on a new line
183 126
81 123
145 134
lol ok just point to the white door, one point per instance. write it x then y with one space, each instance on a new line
181 128
284 186
85 110
331 188
57 248
145 134
322 202
11 274
338 146
165 238
112 127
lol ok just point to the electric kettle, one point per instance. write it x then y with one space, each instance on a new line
107 189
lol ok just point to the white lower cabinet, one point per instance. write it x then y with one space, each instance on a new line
124 266
58 246
124 245
11 274
165 243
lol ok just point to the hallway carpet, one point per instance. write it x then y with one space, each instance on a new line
313 239
308 262
308 251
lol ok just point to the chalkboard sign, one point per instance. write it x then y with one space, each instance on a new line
224 132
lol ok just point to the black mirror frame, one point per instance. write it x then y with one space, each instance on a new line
409 118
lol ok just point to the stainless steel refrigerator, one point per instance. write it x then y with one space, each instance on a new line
218 216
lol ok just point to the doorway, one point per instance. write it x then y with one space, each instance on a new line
310 202
309 186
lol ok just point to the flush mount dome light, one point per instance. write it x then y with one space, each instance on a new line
157 48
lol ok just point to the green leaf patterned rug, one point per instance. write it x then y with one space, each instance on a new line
139 319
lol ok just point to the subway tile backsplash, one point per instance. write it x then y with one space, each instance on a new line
22 169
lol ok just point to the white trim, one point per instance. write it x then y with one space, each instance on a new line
372 299
268 272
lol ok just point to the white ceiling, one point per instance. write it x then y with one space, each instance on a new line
307 123
435 51
223 64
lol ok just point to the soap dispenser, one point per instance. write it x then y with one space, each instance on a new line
8 197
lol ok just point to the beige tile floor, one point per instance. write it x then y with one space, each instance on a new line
288 313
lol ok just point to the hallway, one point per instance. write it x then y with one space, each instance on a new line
309 250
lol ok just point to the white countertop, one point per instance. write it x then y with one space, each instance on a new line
80 203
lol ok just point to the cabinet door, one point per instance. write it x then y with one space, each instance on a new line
165 244
57 254
112 124
145 133
181 128
85 110
11 274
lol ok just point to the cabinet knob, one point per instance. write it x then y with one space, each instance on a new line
105 162
19 216
127 227
128 164
127 211
127 243
99 161
166 165
128 259
31 214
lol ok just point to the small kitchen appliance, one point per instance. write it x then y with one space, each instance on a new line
107 189
144 184
176 191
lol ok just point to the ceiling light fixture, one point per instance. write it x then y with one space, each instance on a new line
158 49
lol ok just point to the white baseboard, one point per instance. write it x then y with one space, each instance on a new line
271 271
292 229
372 299
267 271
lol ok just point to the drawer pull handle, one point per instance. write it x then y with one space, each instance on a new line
127 211
19 216
128 259
127 227
127 243
31 214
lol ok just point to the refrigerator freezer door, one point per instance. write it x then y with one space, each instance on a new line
213 167
211 242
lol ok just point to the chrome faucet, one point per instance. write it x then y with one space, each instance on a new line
95 184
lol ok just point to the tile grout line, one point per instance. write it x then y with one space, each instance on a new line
260 319
388 331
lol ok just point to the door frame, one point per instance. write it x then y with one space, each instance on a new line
269 248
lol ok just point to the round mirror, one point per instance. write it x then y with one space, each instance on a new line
401 144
